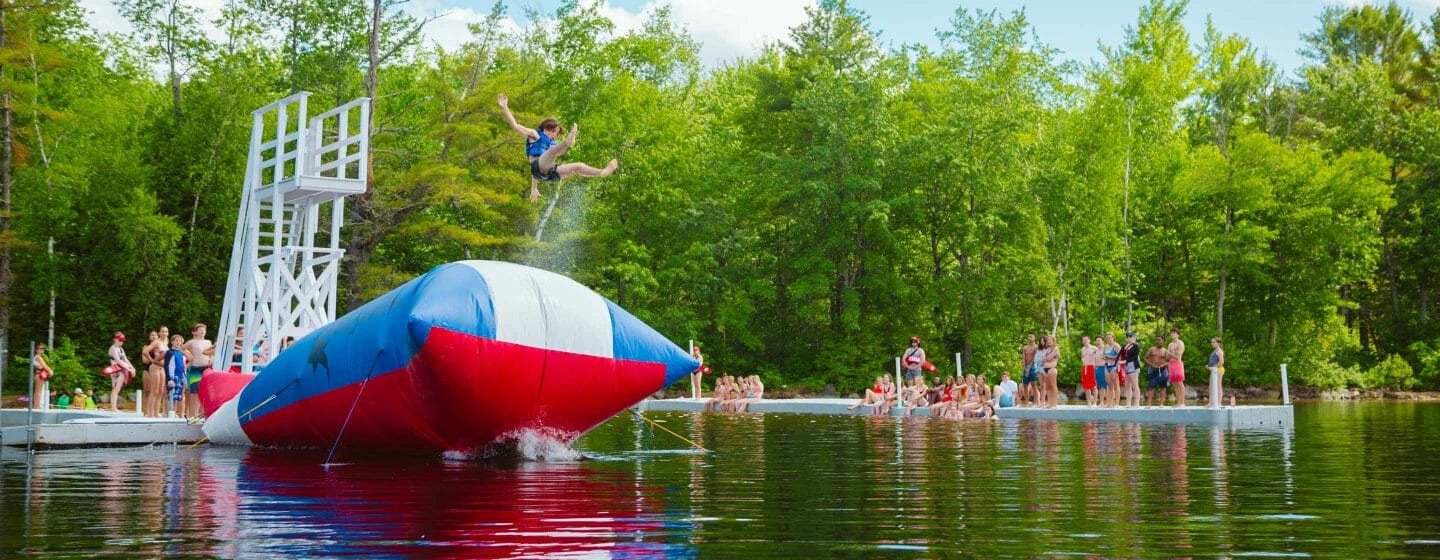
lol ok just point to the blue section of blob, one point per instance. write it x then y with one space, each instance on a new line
635 340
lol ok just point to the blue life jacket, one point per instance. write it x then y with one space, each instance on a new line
537 147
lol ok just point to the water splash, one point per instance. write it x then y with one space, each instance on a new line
544 445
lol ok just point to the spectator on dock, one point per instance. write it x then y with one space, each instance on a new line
42 373
984 388
1050 391
63 402
237 348
200 355
153 380
1029 372
914 395
913 360
720 394
1087 369
754 391
1110 362
1216 365
1005 391
121 371
934 392
874 395
1159 373
90 399
79 402
175 376
1130 371
696 376
1176 354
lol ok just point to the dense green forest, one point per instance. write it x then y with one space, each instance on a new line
801 213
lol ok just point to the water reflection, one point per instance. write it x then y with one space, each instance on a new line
233 502
1342 483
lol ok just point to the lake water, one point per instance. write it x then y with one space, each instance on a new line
1350 480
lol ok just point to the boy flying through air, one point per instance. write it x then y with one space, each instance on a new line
544 152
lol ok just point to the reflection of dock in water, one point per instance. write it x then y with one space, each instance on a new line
1250 415
92 428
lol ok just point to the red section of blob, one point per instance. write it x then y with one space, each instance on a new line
217 386
463 392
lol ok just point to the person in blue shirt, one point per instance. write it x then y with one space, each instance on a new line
544 152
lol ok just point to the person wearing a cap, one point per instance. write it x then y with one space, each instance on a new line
1130 360
42 372
913 359
695 376
78 402
120 370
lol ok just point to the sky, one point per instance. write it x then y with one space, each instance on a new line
728 29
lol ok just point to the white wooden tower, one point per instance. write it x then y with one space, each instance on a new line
285 263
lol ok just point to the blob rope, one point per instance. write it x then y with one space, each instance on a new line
252 409
374 361
667 430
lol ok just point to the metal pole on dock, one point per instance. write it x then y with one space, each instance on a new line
139 395
959 366
30 408
1284 385
899 387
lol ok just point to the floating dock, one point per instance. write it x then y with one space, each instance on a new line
65 428
1250 415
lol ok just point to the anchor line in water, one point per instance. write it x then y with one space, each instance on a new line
667 430
341 434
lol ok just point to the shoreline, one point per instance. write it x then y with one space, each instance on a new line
1247 395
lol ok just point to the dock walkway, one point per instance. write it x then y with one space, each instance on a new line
1249 415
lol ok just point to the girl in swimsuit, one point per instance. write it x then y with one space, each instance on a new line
719 395
1052 373
753 392
121 370
152 382
1216 365
544 152
873 395
1112 371
696 375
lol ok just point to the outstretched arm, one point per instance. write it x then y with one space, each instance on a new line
510 119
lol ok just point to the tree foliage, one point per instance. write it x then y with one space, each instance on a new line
801 212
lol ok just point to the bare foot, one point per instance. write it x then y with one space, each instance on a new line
610 168
574 134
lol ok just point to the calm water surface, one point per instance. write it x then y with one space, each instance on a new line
1350 480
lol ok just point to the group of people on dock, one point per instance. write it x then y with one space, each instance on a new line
174 368
732 394
1110 372
958 398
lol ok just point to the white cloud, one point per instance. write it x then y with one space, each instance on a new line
725 29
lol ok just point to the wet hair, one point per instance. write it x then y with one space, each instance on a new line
550 123
197 326
1175 330
1216 340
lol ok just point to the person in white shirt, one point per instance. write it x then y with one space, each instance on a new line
1005 391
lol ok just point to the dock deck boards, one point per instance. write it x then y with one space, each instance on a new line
1249 415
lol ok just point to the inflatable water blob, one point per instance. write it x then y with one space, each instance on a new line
470 354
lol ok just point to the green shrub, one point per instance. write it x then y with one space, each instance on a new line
1330 375
1428 356
1393 373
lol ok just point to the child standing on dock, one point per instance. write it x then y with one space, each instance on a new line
175 375
120 370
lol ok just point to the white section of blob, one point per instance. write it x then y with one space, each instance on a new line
541 309
223 427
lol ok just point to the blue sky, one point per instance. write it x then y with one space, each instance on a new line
732 28
1074 27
